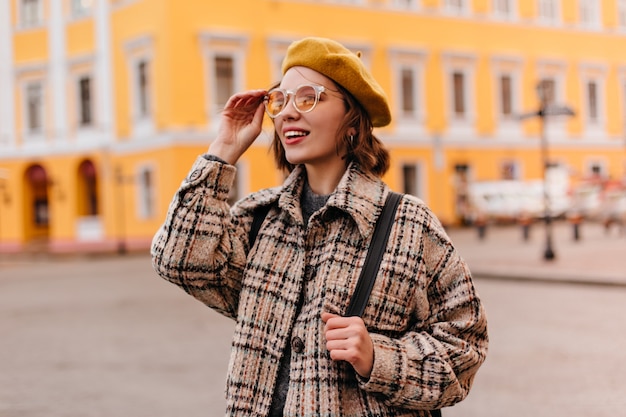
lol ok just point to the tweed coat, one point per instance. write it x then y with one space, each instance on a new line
424 316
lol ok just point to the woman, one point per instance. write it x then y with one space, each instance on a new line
423 334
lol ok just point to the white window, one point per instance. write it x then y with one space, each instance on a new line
82 101
224 83
507 75
85 101
412 179
224 59
592 101
143 122
146 197
460 7
548 11
81 8
592 108
34 110
507 102
460 92
505 84
621 14
547 91
31 13
33 121
462 179
87 195
589 13
504 9
408 89
405 4
142 88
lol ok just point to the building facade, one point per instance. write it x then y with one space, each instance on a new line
106 103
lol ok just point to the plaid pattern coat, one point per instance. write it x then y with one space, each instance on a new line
424 316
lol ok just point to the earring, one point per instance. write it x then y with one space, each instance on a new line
351 137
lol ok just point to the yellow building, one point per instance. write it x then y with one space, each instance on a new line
105 104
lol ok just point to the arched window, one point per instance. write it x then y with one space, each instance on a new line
87 189
38 182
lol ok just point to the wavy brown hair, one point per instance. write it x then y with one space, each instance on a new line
363 148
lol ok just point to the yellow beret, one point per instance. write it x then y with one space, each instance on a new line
345 68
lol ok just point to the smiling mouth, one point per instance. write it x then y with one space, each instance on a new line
294 134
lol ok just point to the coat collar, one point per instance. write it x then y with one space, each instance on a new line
358 194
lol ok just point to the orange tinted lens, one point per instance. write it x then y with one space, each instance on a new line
306 98
275 102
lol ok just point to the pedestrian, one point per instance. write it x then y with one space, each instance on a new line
423 335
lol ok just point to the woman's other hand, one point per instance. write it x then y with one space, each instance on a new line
347 339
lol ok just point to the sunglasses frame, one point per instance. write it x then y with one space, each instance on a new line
319 89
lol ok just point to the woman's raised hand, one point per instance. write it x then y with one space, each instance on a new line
240 125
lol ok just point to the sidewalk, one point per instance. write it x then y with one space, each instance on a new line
597 258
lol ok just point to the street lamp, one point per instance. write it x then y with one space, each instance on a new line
545 91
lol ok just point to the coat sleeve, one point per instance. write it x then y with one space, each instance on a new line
433 364
200 247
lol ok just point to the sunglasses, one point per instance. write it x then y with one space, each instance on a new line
305 98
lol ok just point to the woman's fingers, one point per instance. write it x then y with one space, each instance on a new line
242 120
347 339
246 99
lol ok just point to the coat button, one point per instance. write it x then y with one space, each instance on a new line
194 175
297 345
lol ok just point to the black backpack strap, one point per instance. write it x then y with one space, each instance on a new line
259 217
374 256
373 259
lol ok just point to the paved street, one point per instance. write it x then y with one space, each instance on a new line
597 257
106 337
103 336
555 350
